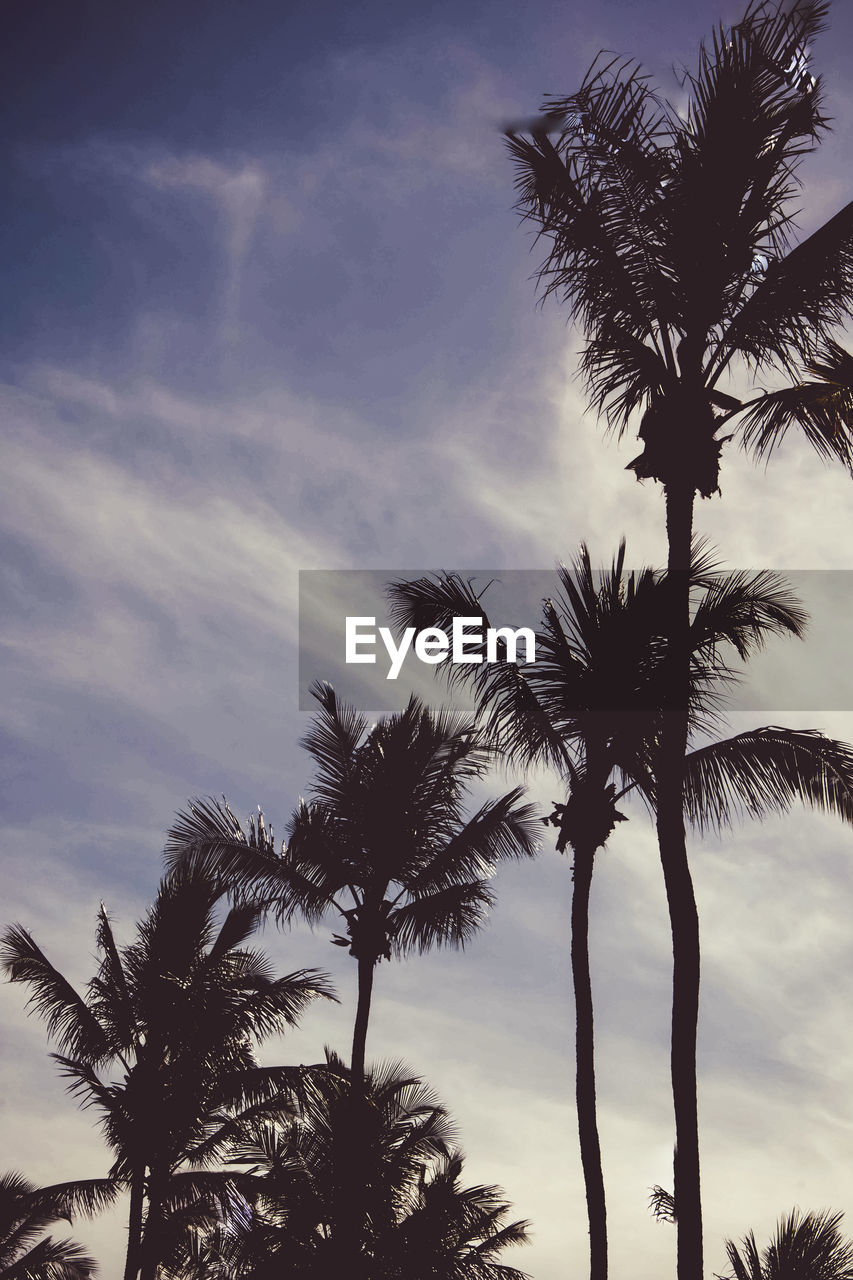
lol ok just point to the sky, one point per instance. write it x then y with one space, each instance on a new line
268 308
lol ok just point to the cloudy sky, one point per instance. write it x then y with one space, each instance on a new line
267 308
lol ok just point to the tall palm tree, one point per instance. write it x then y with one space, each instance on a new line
26 1253
162 1046
590 707
671 237
806 1247
421 1222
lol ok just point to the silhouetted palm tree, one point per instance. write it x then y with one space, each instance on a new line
26 1253
805 1247
176 1015
421 1223
671 238
591 707
384 841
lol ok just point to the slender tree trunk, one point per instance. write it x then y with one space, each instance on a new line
684 920
585 1066
134 1225
366 966
350 1211
150 1250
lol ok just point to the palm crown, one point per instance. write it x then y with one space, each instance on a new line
804 1246
175 1015
384 841
420 1221
671 236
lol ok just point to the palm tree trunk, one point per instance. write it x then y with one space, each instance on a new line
350 1209
366 966
134 1225
585 1066
150 1250
683 917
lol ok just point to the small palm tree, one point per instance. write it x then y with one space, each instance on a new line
384 842
421 1223
26 1253
671 237
590 706
162 1046
805 1247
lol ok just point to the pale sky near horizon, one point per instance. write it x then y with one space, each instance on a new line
268 308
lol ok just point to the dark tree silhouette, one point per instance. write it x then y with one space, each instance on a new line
176 1015
590 707
421 1222
671 237
806 1247
26 1211
384 842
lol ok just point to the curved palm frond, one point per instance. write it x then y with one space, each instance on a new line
25 1212
53 1260
766 771
444 917
68 1018
333 740
822 408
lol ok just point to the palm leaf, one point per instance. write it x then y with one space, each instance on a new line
822 409
801 300
805 1246
333 740
449 916
766 771
68 1018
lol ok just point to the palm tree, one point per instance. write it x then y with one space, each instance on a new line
806 1247
671 238
421 1222
26 1253
175 1015
590 707
384 842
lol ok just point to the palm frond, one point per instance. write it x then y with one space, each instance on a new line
822 408
741 609
805 1246
449 916
53 1260
801 300
68 1018
72 1199
333 740
766 771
